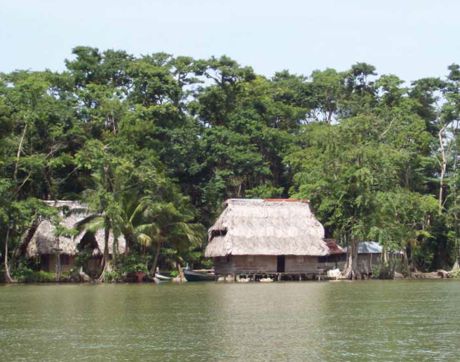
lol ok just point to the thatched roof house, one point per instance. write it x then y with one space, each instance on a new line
277 235
45 244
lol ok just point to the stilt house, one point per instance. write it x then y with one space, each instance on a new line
266 236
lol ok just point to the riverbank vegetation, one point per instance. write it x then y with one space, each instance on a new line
154 144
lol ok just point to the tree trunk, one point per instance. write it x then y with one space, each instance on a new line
443 168
384 255
18 154
155 259
7 276
107 265
455 267
351 269
21 249
130 241
406 263
115 250
48 184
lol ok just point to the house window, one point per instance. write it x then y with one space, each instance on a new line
215 233
65 259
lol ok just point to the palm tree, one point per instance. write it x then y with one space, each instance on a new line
137 201
128 214
166 224
92 223
104 206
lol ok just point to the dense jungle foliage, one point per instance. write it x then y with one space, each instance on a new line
155 144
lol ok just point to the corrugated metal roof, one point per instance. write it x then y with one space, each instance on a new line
368 247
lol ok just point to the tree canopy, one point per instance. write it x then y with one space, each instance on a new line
156 143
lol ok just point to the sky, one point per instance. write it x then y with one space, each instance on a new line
409 38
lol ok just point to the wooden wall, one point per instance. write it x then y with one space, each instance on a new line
48 262
245 263
264 263
301 264
235 264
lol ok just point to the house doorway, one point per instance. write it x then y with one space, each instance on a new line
280 263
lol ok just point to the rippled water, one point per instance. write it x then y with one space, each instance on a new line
341 321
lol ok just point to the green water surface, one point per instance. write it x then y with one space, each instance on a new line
304 321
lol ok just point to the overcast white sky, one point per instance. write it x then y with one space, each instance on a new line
412 38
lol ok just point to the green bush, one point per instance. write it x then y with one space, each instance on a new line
455 274
384 271
22 273
25 274
38 277
136 268
132 263
42 277
207 263
83 257
112 276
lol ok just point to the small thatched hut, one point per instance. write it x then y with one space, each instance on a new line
266 236
59 252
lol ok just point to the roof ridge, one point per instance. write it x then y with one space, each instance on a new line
242 200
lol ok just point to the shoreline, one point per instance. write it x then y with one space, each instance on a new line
417 277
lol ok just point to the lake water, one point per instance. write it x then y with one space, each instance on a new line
304 321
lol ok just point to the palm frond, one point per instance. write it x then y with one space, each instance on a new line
90 223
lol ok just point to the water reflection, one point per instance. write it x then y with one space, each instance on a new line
257 322
270 321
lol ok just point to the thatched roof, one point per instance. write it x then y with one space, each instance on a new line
266 227
44 240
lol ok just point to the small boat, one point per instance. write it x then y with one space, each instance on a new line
202 275
162 277
158 278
